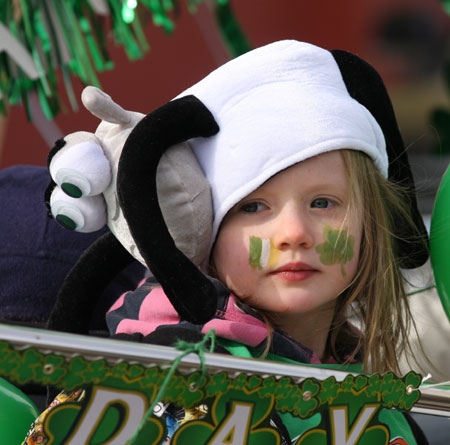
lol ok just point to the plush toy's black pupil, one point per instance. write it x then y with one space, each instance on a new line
71 190
66 222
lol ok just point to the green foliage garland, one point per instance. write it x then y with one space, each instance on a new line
32 366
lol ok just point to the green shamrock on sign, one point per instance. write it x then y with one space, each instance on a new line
337 249
75 378
51 371
412 381
31 361
96 371
309 402
10 359
329 390
218 384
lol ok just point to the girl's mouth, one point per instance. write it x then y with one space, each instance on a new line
294 271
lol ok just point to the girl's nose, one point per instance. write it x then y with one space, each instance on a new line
293 229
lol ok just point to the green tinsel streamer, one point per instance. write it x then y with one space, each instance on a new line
122 32
3 83
168 5
45 104
85 26
99 36
446 6
30 37
192 5
15 93
140 36
230 29
86 72
68 35
44 44
4 69
159 15
4 8
57 55
22 89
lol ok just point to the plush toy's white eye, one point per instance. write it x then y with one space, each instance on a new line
73 182
86 214
81 168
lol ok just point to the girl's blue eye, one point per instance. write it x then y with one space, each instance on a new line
253 207
321 203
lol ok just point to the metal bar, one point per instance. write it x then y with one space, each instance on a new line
118 350
432 401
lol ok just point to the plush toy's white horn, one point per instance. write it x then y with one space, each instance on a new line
102 106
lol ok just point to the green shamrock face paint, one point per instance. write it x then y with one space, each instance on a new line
338 247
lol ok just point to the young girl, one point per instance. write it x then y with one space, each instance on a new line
311 221
314 215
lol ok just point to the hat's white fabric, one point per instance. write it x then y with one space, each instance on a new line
275 106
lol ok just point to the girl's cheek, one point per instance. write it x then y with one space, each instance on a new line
262 253
338 247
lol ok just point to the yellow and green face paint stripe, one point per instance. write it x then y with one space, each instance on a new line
262 253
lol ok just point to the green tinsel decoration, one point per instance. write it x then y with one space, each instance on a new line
446 5
68 35
230 28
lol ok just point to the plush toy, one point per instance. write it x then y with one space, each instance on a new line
138 175
114 176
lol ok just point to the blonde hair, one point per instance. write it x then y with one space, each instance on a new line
376 297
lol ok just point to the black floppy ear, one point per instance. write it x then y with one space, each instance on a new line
365 85
85 283
191 293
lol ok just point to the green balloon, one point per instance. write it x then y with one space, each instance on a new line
17 413
440 241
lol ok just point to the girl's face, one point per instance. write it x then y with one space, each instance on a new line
292 246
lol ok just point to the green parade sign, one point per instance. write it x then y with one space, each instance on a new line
119 381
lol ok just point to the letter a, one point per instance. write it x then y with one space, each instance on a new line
234 428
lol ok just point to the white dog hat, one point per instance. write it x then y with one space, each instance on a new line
275 106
